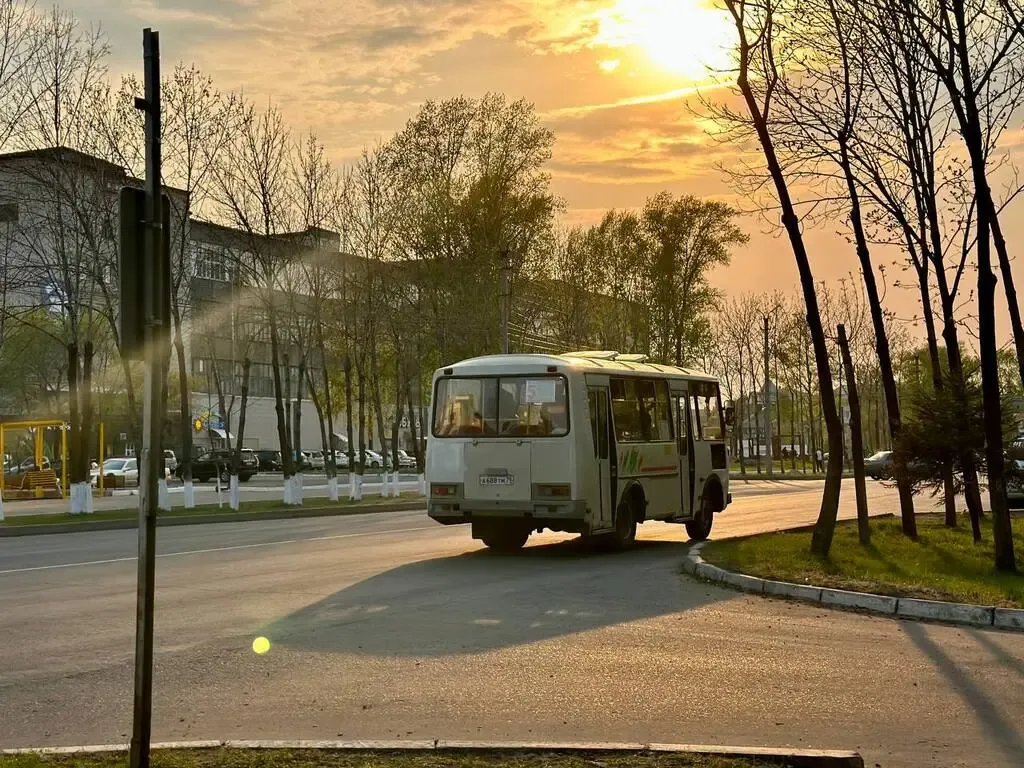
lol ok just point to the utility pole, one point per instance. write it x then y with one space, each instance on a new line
506 268
155 289
767 408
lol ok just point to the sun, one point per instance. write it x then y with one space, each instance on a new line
688 38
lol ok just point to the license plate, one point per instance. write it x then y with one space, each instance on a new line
497 479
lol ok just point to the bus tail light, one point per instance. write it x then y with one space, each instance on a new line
440 489
560 491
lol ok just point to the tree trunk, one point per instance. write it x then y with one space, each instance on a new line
331 465
287 466
288 414
361 384
236 455
973 135
351 447
85 392
297 411
75 421
856 439
322 421
824 528
1006 270
885 367
968 465
185 460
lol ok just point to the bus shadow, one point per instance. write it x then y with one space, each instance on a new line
479 601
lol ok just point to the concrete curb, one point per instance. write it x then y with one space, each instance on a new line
803 758
903 607
285 513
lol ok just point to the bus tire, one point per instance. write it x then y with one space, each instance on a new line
505 538
624 535
699 528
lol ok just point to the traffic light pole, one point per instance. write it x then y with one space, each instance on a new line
152 453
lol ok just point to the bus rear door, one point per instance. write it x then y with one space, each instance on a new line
601 486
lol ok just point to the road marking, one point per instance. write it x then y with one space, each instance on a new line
217 549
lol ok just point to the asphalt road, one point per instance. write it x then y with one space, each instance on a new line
386 626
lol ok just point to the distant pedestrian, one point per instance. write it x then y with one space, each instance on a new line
818 461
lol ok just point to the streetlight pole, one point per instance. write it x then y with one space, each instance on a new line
767 409
156 294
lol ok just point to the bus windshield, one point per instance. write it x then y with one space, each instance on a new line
507 406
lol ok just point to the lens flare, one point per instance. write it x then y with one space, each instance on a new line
260 645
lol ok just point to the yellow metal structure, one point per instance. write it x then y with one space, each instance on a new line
38 426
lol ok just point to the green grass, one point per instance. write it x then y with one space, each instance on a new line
288 758
943 564
264 505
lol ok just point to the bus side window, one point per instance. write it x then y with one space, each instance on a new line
695 425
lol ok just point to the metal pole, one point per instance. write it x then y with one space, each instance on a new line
3 471
64 490
102 449
152 454
505 269
767 409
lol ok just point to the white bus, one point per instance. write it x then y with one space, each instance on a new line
586 442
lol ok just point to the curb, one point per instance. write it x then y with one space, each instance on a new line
965 614
801 758
284 513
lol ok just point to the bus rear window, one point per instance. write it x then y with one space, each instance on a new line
510 406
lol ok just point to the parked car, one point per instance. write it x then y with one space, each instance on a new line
406 461
371 459
879 466
217 463
268 460
123 470
315 459
341 459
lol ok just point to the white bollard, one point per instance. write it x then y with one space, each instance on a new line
190 495
163 495
235 496
423 484
332 488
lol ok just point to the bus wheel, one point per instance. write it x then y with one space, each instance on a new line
505 538
625 529
699 528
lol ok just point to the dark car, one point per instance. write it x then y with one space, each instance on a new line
269 461
217 463
879 466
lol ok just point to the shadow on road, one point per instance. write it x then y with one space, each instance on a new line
1003 731
479 601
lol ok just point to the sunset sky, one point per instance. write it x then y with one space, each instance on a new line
615 80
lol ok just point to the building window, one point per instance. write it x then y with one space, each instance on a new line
210 264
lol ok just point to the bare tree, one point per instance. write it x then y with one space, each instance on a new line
760 44
977 59
253 190
197 120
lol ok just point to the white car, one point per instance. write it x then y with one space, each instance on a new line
315 459
126 467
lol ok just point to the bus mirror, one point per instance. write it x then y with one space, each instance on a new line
730 416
